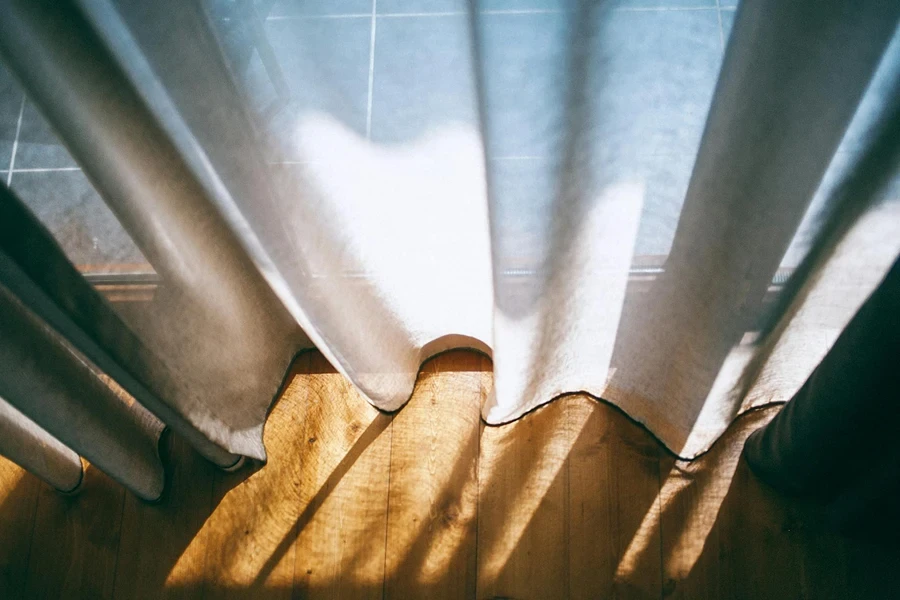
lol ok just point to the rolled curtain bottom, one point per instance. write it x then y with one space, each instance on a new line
836 441
28 445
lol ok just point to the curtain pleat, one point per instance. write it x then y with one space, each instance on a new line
557 311
858 238
72 307
222 339
513 207
47 381
811 448
775 122
28 445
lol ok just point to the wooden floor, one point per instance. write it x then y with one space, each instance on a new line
574 500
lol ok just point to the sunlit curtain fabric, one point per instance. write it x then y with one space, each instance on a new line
673 207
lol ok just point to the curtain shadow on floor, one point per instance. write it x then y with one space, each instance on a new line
573 500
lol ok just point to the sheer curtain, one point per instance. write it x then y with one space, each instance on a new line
657 204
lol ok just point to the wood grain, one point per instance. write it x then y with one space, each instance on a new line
340 531
163 543
76 540
18 502
613 502
523 507
709 505
245 548
433 497
574 500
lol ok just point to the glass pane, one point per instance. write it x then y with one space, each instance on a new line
47 179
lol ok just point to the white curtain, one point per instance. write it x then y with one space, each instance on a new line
653 203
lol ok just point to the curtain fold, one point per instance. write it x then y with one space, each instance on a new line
844 410
775 122
73 308
218 342
50 383
598 197
31 447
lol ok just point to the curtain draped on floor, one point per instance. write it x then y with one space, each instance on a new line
547 181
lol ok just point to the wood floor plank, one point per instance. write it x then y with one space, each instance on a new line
162 551
758 543
614 542
340 533
249 536
574 500
433 498
76 540
18 503
523 507
836 568
724 534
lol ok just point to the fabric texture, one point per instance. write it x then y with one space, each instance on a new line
810 447
845 410
605 199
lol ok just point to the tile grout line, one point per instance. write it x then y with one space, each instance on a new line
371 69
511 12
512 157
454 13
15 148
318 162
523 157
662 8
45 170
721 29
318 17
